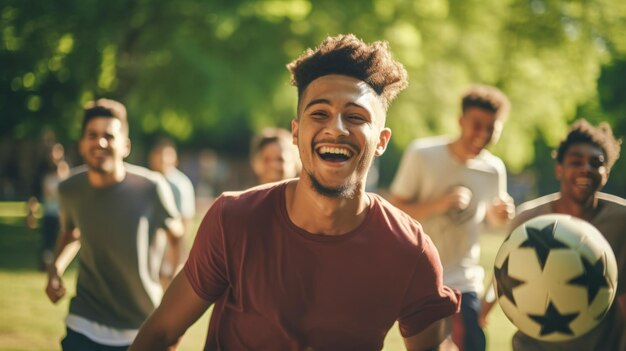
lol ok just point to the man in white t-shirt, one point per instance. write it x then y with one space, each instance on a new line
452 187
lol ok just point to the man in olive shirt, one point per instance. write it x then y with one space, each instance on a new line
119 216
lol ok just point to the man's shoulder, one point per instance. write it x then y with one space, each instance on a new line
533 208
398 223
430 144
490 160
252 198
177 177
613 200
134 171
77 178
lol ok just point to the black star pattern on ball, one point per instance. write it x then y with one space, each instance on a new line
542 240
505 282
554 322
592 278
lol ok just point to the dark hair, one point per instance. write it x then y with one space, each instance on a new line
601 136
104 108
269 136
162 142
488 98
347 55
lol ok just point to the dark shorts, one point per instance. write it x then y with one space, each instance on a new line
74 341
466 332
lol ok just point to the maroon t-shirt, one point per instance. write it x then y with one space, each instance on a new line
278 287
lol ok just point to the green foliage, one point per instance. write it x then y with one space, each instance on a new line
210 73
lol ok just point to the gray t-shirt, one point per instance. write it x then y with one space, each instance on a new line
610 221
118 278
427 171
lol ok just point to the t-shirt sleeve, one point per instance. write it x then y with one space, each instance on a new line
427 300
206 265
405 183
502 181
166 205
187 198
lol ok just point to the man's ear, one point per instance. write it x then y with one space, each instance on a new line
294 131
127 146
558 171
383 141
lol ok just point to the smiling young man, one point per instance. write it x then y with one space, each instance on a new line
113 212
451 187
583 162
315 263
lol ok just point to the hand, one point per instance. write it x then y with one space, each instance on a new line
503 209
55 289
458 198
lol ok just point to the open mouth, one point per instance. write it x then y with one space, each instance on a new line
583 182
334 154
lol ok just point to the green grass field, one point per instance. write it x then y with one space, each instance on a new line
29 321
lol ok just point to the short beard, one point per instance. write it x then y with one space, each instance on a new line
344 191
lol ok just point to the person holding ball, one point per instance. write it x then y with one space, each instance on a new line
583 163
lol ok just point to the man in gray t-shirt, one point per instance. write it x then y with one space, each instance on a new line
120 216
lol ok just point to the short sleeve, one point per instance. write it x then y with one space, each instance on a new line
502 181
187 198
427 300
166 204
405 183
206 265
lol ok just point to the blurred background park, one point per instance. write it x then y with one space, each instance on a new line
209 74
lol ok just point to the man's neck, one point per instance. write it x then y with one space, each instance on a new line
460 152
586 210
319 214
101 180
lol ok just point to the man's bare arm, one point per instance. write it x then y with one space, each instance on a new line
179 309
67 247
435 337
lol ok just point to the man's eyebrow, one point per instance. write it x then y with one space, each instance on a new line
327 102
317 101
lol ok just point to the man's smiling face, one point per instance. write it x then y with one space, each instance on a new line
583 171
340 128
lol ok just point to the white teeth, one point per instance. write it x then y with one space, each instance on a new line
335 150
583 181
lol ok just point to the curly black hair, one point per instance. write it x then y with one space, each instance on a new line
488 98
347 55
582 131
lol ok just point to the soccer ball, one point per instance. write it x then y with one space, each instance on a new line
555 277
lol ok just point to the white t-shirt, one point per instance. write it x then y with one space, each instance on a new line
183 193
427 171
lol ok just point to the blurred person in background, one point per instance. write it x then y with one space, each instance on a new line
452 187
163 158
273 157
50 173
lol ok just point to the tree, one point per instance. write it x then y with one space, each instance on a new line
210 73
